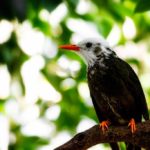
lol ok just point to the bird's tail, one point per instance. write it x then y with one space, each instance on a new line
114 146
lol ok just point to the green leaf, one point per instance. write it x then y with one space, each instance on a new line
142 5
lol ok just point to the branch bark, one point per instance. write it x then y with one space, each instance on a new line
94 136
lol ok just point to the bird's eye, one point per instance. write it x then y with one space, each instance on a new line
88 45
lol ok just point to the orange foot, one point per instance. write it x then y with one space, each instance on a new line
132 125
104 125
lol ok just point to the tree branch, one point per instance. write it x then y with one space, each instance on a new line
94 136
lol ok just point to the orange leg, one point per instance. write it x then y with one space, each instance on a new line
132 125
104 125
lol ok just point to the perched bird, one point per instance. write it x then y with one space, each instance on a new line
115 89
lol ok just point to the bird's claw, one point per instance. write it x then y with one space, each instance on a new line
132 125
104 125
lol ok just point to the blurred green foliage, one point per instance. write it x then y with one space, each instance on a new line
104 14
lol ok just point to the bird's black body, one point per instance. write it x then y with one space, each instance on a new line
116 92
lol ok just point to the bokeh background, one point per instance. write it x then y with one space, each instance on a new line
44 97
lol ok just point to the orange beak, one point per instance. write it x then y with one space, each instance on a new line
70 47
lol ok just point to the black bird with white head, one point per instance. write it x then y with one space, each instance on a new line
115 89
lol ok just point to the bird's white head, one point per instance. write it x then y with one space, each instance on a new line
91 49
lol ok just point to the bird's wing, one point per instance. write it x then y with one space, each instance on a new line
133 84
97 110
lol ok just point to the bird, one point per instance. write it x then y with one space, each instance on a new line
115 89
